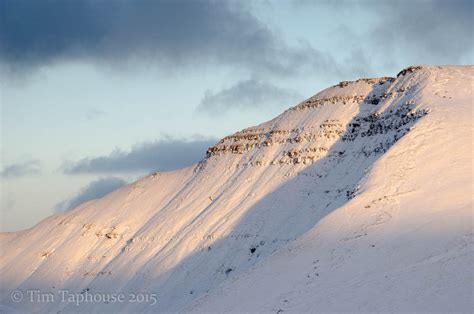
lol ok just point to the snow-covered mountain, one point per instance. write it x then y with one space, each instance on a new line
357 199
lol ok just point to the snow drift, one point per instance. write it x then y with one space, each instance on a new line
357 199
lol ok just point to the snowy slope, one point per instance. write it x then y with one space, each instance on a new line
357 199
405 243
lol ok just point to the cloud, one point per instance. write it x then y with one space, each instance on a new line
422 31
21 169
95 189
428 29
247 94
170 33
163 155
95 114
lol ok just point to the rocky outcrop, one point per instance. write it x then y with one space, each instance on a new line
409 70
308 144
394 122
317 102
375 124
370 81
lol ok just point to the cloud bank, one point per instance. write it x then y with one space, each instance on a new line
170 33
163 155
247 95
20 169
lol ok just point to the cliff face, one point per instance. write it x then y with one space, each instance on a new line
305 143
261 192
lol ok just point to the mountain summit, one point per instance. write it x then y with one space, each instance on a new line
357 199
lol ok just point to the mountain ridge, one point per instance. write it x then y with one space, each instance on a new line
191 234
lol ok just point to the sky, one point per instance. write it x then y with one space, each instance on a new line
96 94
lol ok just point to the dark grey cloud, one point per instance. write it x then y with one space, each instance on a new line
20 169
95 189
247 94
35 33
162 155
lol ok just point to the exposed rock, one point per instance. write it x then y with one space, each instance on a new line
300 151
409 70
371 81
312 103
